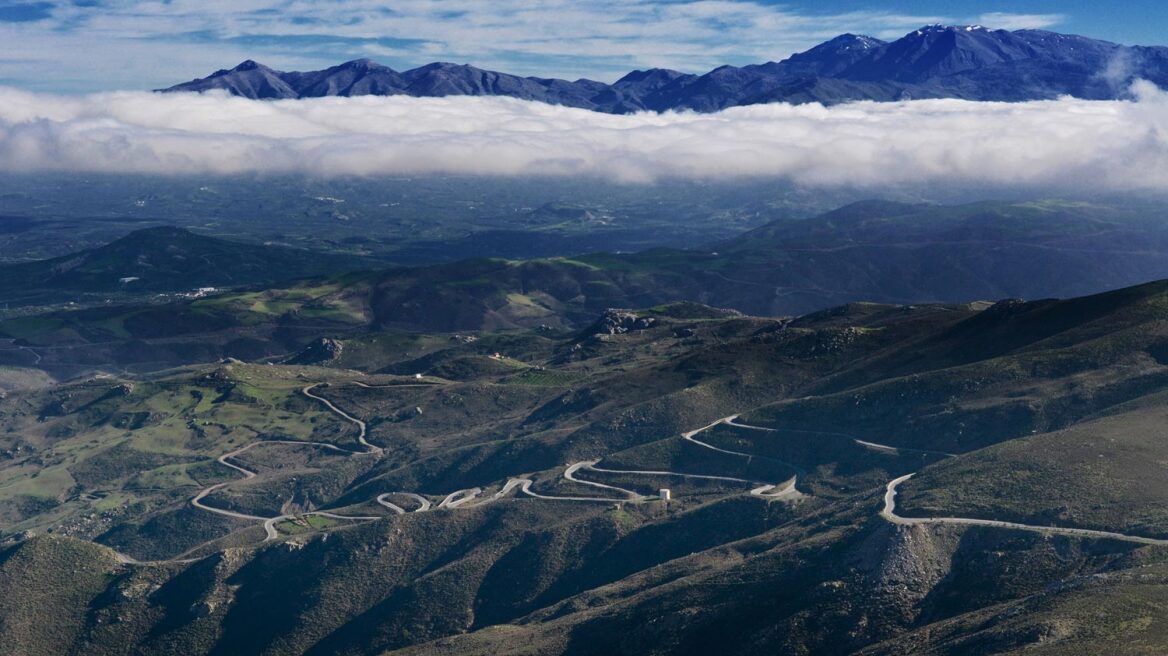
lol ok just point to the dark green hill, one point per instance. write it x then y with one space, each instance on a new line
874 251
892 252
877 221
162 260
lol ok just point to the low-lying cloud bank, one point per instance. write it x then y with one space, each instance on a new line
1063 144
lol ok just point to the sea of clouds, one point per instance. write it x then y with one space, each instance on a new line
1059 144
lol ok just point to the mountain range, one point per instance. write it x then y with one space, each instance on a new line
821 436
229 507
880 251
938 61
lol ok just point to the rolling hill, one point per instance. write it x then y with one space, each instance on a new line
875 251
160 260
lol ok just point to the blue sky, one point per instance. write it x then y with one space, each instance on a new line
94 45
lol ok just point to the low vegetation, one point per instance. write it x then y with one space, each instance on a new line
436 389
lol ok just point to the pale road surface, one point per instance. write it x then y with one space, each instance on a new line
511 484
36 356
130 560
897 450
732 421
423 502
526 483
307 391
225 460
272 533
786 491
889 513
765 490
460 498
570 474
466 497
360 384
724 420
269 523
247 474
383 500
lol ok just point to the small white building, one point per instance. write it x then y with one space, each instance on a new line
664 494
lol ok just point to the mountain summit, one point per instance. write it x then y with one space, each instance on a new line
937 61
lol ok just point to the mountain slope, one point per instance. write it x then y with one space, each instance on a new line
715 569
937 61
249 79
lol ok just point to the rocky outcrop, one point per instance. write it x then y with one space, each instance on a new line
320 351
619 322
122 389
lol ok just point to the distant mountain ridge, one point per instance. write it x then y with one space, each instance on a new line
938 61
160 260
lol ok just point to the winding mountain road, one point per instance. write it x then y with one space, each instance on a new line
17 347
766 490
787 491
468 498
373 448
383 499
724 420
732 421
425 503
225 460
525 487
570 474
269 523
460 497
889 513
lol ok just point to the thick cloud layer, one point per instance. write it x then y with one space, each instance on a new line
1063 144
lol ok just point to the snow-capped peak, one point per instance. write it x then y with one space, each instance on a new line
938 27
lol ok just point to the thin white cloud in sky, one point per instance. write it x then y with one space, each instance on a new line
1004 21
134 44
1076 144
